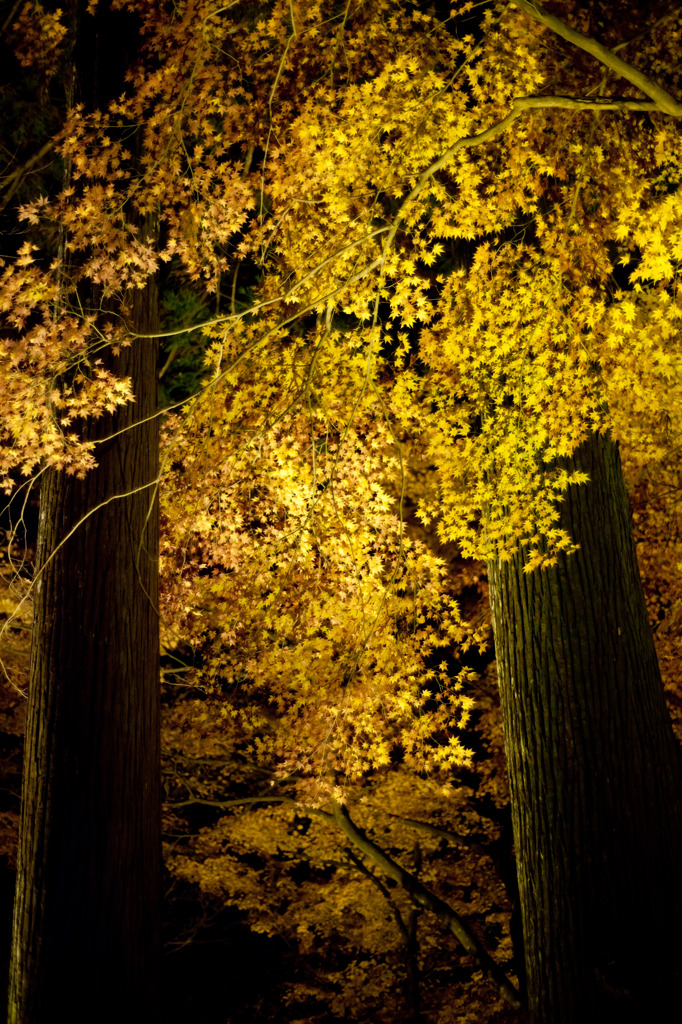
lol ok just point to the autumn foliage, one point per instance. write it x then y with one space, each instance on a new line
433 251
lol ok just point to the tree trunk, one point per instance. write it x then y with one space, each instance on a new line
87 905
593 765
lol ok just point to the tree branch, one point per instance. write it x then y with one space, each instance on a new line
420 895
408 932
12 181
663 100
238 801
10 17
424 898
520 104
386 893
649 29
473 842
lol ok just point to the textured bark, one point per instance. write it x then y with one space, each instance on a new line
593 765
86 917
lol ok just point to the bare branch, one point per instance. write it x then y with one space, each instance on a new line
14 10
419 894
237 802
674 13
662 99
473 842
386 893
424 898
13 180
579 103
520 104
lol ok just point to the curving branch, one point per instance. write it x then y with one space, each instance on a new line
407 931
419 894
520 104
659 100
237 802
386 893
423 897
13 180
475 842
662 99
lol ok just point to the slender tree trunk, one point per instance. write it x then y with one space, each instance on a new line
593 765
86 917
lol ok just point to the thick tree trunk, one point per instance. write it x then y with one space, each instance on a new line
593 765
86 917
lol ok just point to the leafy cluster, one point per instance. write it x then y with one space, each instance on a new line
289 573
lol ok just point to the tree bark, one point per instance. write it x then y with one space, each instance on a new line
87 905
593 765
